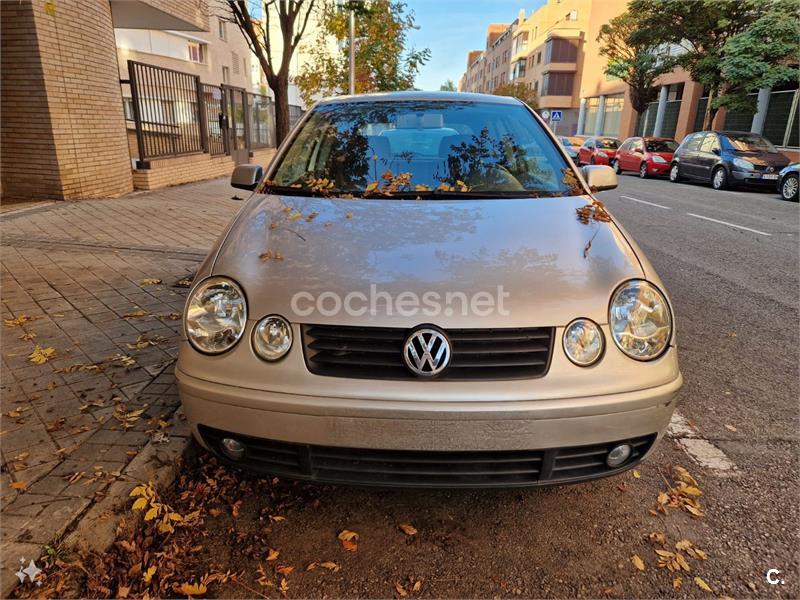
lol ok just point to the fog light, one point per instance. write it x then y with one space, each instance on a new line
618 455
232 448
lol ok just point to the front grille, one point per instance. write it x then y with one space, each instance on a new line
377 352
416 468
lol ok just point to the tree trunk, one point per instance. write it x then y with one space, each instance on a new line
280 87
711 112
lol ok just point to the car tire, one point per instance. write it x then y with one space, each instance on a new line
615 166
674 173
719 178
643 171
789 188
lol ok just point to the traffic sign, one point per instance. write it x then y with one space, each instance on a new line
555 116
545 114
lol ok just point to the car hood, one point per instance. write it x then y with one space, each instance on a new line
772 159
551 266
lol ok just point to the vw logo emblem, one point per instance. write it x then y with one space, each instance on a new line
770 169
426 352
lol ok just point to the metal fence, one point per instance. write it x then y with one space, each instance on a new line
174 113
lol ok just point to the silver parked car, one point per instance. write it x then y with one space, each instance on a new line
422 291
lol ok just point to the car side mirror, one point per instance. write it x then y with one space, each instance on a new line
246 177
600 177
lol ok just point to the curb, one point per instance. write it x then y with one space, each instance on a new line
95 529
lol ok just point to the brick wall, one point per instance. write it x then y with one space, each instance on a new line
193 167
63 127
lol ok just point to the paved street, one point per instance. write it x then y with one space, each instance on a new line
730 262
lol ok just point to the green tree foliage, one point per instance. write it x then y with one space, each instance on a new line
636 62
701 28
383 60
765 55
519 91
448 86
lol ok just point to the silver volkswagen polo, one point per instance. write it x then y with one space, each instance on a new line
423 291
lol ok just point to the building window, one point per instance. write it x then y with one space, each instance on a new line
127 105
226 75
518 69
572 15
539 58
613 114
196 52
559 50
780 127
223 34
536 86
235 62
557 84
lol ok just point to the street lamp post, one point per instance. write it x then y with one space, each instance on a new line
352 50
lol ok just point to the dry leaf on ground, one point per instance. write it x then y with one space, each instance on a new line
349 540
408 529
637 562
41 355
703 585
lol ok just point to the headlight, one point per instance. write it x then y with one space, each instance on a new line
272 337
602 154
659 159
744 165
216 314
640 320
583 342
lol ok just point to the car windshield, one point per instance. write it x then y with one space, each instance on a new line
749 142
423 148
661 146
609 143
572 141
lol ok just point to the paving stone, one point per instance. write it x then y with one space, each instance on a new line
59 516
11 553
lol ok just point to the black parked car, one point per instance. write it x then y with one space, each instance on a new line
788 184
727 159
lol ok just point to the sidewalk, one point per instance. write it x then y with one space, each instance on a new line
79 282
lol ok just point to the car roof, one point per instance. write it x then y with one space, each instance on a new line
420 95
657 139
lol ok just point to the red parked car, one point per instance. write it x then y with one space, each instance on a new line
645 155
598 151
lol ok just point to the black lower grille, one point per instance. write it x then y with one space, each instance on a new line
416 468
377 352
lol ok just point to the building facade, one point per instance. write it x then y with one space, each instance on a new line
555 52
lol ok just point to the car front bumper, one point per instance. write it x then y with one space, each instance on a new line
660 169
755 178
285 432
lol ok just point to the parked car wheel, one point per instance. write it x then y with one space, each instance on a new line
719 179
674 173
643 171
789 188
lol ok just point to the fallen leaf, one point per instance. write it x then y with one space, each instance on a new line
284 587
682 474
657 537
703 585
417 586
276 518
637 562
408 529
677 582
135 314
330 565
28 336
150 281
272 554
18 485
400 590
22 456
294 216
284 569
192 589
636 474
122 591
148 574
349 540
16 322
731 428
41 355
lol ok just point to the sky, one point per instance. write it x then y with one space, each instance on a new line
451 28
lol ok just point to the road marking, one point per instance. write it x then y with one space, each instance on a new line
646 202
703 452
734 225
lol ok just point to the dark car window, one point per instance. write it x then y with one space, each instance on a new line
692 143
589 144
661 146
418 147
750 142
609 143
709 143
571 141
